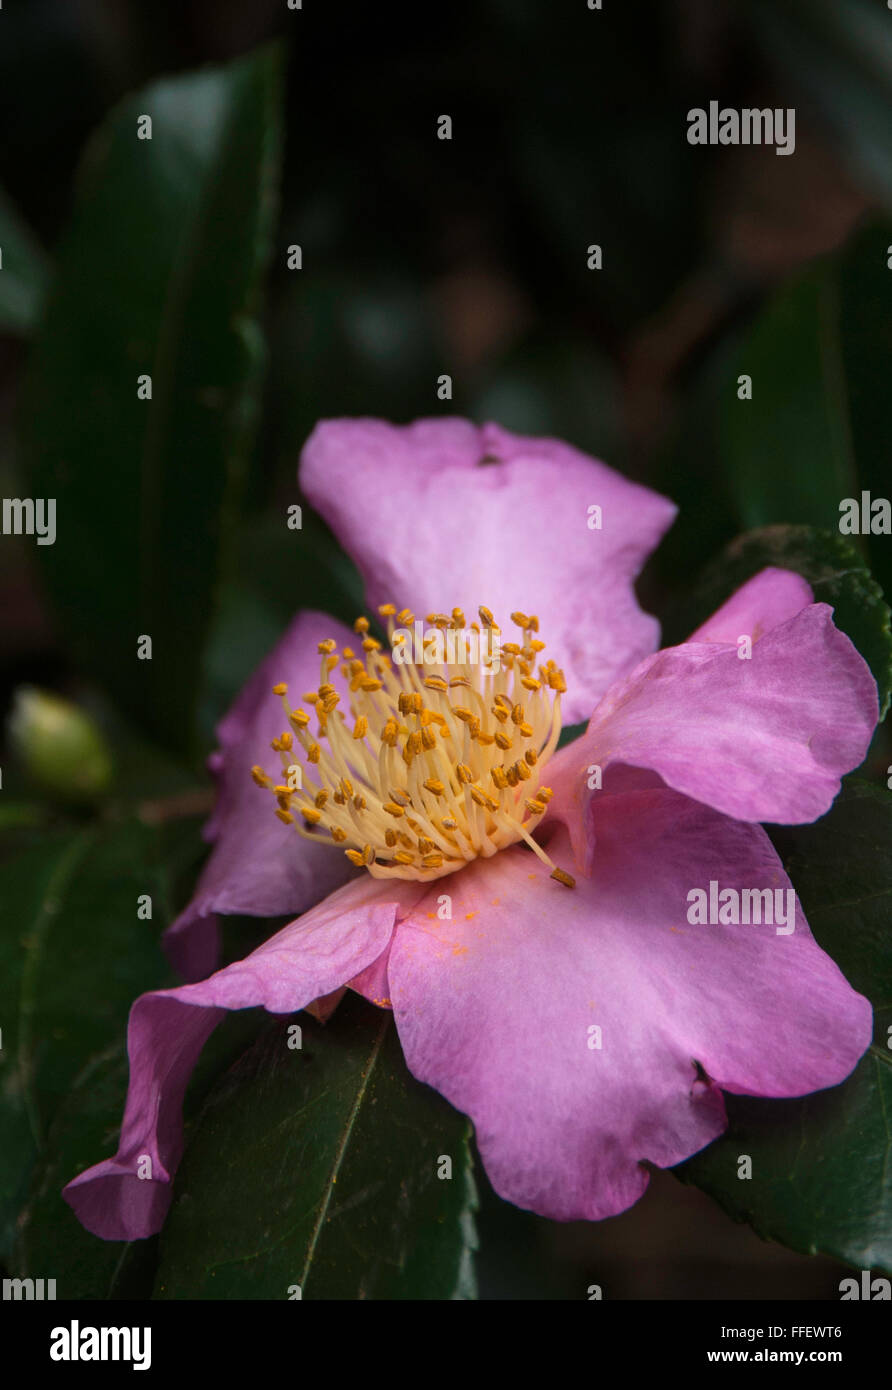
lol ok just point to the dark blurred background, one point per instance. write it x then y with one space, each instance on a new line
469 257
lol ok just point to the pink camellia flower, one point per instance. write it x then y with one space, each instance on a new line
524 912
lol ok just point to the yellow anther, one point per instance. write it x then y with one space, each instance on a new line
563 877
405 617
381 761
520 619
387 610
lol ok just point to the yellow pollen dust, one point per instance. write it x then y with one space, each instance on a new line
432 765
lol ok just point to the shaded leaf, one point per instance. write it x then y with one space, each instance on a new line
318 1168
51 1243
159 275
816 428
23 274
73 956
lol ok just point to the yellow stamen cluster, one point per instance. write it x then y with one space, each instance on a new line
437 763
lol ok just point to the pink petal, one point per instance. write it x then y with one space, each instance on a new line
762 603
764 739
432 526
307 960
258 867
494 1008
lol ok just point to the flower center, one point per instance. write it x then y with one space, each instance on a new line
441 757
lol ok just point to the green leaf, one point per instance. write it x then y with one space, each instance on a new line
318 1168
73 956
160 275
822 1166
816 429
788 453
841 55
866 341
51 1242
831 565
23 273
